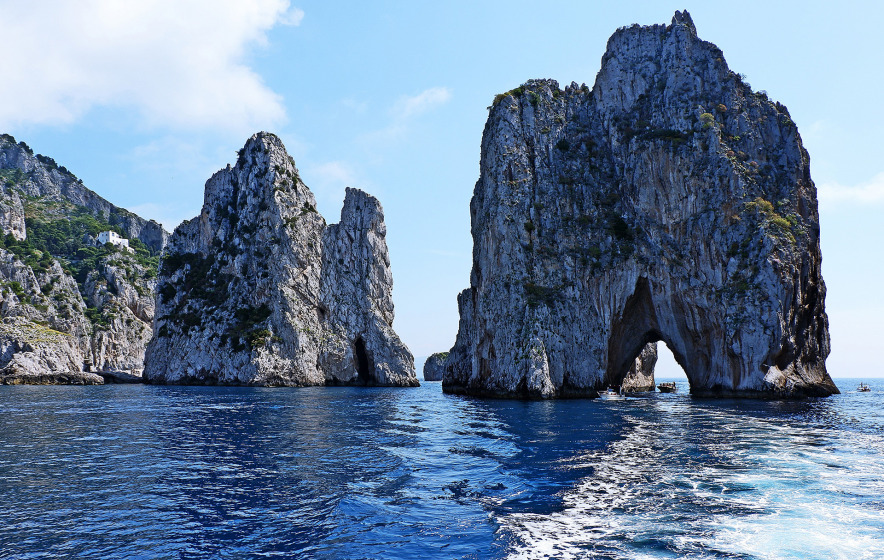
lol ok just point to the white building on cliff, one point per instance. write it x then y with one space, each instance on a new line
114 238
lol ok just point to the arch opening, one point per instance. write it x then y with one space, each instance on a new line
654 362
667 367
636 328
363 364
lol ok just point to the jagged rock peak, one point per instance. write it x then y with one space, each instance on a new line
669 202
684 19
258 290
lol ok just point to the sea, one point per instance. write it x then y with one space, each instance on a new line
163 472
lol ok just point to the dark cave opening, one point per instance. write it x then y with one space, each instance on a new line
363 373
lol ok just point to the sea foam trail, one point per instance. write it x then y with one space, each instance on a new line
707 481
161 472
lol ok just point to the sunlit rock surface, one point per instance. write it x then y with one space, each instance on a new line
640 377
104 312
258 290
33 354
669 202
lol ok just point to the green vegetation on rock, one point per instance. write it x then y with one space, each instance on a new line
58 230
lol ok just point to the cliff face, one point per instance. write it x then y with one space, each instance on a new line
68 302
40 177
258 290
640 376
670 202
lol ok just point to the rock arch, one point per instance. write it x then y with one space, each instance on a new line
637 327
669 202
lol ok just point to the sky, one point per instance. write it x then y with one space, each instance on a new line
144 101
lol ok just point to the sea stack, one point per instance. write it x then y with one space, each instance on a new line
434 367
669 202
258 290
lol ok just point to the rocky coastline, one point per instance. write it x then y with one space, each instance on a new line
668 202
74 309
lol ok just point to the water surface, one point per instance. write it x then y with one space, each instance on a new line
214 472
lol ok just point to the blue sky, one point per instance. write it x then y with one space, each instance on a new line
144 101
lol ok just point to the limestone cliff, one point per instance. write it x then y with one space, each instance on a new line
258 290
39 176
669 202
55 277
33 354
640 376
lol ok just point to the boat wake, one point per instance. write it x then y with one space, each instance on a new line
752 488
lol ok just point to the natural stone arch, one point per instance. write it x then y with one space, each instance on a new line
633 331
669 202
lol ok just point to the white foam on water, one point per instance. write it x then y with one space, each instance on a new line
754 488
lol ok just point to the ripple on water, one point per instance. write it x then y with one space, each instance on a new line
216 472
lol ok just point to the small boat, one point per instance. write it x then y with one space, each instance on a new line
863 388
667 387
610 394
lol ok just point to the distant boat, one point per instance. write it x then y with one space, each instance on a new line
863 388
610 394
667 387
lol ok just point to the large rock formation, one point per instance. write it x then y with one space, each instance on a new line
258 290
670 202
640 377
33 354
55 277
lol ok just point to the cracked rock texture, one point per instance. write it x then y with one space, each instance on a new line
36 355
258 290
640 377
669 202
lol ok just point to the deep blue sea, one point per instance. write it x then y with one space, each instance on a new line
134 471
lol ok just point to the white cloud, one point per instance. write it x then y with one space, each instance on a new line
410 106
179 64
333 173
870 192
168 215
328 181
404 111
292 17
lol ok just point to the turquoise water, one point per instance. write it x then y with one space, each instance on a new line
209 472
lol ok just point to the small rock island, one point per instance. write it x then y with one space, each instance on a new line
259 290
434 367
670 202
